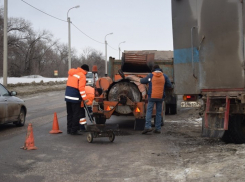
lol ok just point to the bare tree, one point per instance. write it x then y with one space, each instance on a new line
31 52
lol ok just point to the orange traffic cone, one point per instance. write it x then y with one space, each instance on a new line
29 143
55 129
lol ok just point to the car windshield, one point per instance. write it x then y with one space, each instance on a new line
3 91
89 75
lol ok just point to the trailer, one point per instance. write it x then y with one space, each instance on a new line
123 94
140 68
208 37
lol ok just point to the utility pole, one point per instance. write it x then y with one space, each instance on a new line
120 48
69 43
69 37
5 44
106 54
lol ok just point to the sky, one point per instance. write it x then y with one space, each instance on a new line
143 24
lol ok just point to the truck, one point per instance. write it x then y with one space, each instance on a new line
163 58
124 95
209 64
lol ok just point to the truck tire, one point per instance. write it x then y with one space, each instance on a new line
227 137
237 128
100 120
173 109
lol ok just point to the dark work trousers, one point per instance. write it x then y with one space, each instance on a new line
73 116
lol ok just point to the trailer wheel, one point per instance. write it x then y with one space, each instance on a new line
112 137
100 120
90 137
237 129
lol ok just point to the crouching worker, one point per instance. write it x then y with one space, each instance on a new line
91 93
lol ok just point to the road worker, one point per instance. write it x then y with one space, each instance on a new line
157 83
91 93
74 94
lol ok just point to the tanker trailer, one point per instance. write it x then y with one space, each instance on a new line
209 53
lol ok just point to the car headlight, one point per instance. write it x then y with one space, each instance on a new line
89 81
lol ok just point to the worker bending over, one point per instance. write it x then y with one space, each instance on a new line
91 93
74 94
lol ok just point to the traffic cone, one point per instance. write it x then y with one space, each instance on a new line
55 129
29 143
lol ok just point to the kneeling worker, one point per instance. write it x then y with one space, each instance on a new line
91 93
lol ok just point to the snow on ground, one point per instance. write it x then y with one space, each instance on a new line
30 79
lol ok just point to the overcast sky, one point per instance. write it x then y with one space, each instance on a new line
143 24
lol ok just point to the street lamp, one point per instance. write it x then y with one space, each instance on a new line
106 54
120 48
69 37
5 44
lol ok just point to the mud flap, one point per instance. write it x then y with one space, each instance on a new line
215 128
139 124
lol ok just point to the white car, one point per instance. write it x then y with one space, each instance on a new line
90 78
12 109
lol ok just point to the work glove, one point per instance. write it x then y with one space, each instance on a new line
86 101
89 103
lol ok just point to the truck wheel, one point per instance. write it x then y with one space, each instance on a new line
227 137
100 120
237 128
173 109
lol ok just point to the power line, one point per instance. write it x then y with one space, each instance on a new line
66 21
112 47
44 12
91 37
86 34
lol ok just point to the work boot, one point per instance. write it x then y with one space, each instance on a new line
157 131
146 131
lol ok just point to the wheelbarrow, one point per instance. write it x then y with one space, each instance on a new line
100 130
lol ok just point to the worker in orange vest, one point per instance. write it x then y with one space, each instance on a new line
91 93
74 94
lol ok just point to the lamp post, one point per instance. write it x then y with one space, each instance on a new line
106 54
120 48
69 37
5 44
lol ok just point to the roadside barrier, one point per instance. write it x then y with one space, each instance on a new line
29 143
55 129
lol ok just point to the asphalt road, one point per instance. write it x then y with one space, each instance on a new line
178 154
